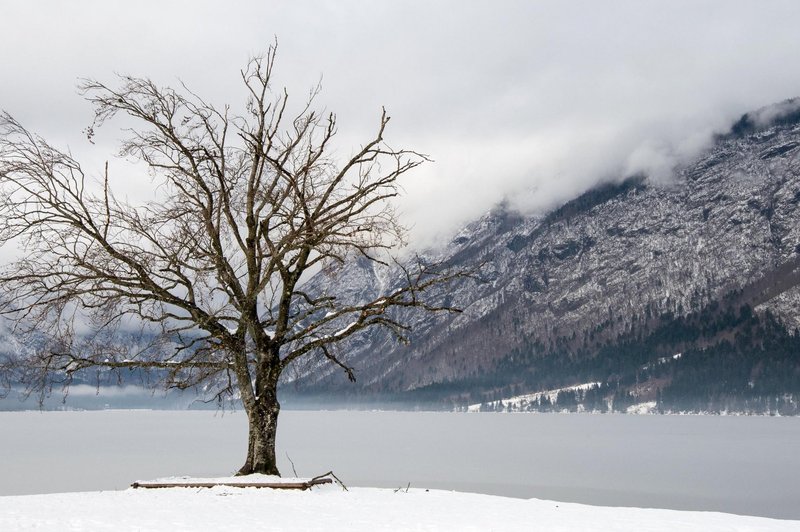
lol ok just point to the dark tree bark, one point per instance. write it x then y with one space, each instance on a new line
262 419
263 431
211 269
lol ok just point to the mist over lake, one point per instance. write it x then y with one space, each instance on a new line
743 465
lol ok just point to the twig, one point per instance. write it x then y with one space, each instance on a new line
330 474
401 487
293 469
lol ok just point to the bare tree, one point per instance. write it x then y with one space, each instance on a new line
211 269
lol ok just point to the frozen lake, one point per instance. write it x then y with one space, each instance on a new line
744 465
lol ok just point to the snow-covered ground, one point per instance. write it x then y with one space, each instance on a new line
331 508
520 402
648 407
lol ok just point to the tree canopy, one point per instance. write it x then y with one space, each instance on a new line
210 270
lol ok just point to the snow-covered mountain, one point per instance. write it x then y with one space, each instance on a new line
615 265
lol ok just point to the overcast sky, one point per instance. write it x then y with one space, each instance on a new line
531 101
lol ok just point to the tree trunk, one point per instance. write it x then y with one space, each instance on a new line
263 427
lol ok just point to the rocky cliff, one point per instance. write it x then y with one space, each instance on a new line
611 267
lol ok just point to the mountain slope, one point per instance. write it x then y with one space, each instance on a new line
609 268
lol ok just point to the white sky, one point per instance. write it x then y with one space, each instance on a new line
533 101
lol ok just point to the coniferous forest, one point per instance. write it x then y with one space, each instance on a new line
731 361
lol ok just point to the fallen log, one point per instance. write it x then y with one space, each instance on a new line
273 485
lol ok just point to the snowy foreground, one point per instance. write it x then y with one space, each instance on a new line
331 508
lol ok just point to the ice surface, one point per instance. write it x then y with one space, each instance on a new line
742 465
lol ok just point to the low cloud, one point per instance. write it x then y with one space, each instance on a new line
109 392
532 102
